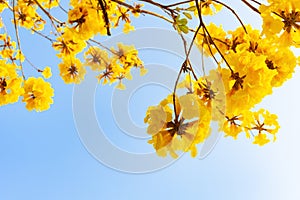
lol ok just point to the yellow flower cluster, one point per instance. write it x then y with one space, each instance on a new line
281 18
253 63
258 64
10 83
36 93
25 15
3 5
114 67
84 21
182 132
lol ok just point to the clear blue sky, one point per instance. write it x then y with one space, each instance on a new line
42 157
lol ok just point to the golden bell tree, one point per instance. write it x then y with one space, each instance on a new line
250 62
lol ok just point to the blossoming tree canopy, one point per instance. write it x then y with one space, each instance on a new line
250 62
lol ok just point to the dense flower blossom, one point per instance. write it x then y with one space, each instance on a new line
250 63
37 94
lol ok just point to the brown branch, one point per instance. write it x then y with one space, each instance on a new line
165 8
256 2
209 47
102 4
250 6
47 13
174 91
217 48
179 3
143 11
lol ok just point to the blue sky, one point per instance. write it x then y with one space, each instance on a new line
42 156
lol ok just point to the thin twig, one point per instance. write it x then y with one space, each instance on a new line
186 62
256 2
165 8
103 46
47 13
210 38
250 6
18 38
32 65
217 48
51 18
179 3
44 36
143 11
62 8
209 47
174 91
234 13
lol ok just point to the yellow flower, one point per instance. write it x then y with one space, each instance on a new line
121 86
128 56
10 84
9 47
27 17
182 133
117 67
47 72
284 62
186 83
156 117
3 5
71 70
261 139
127 28
249 83
136 10
211 91
96 58
50 3
68 44
38 94
262 122
20 56
218 34
79 17
143 71
282 18
208 7
232 126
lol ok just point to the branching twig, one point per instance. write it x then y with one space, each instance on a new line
217 48
47 13
165 8
143 11
186 62
210 38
